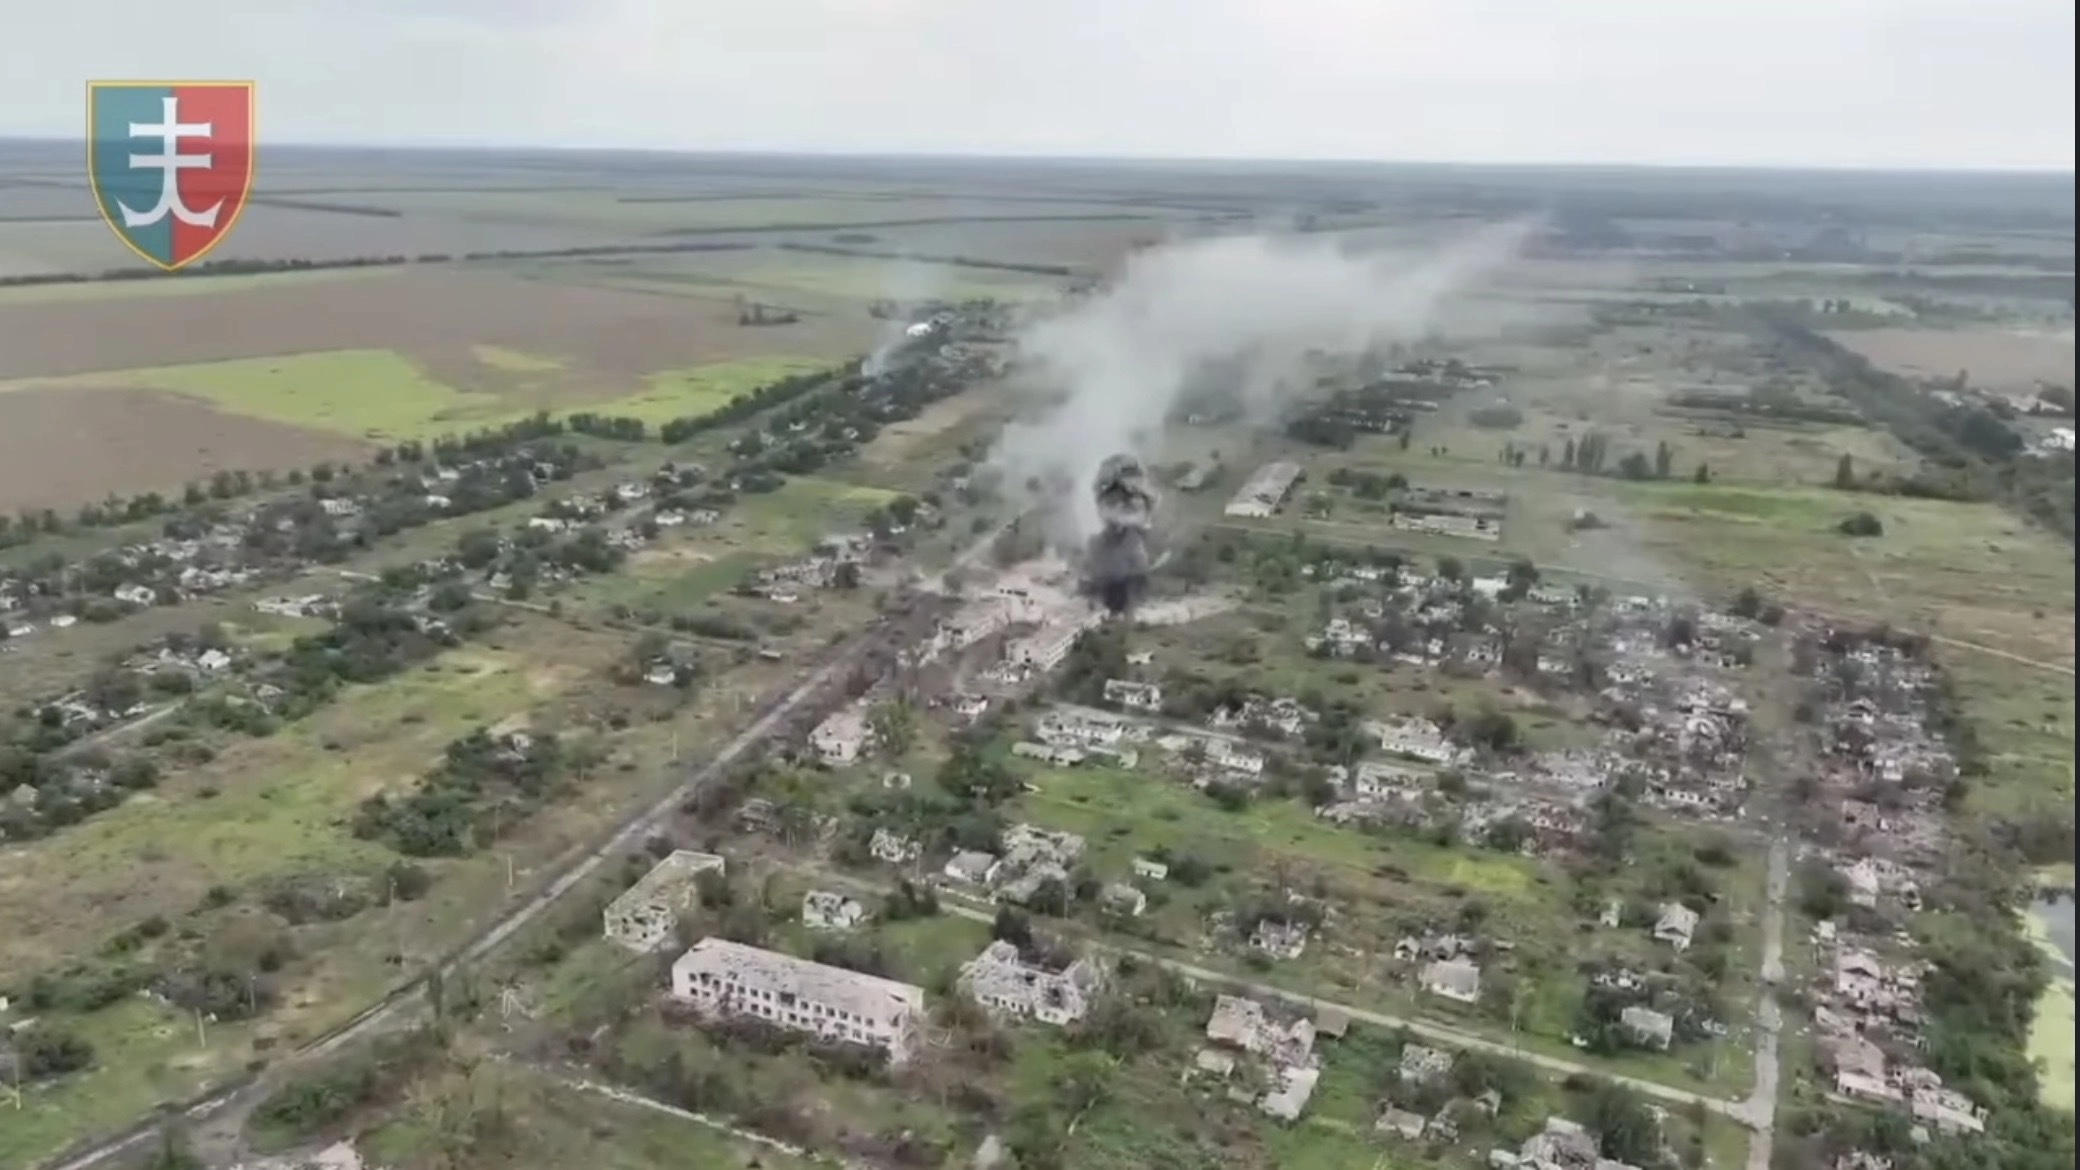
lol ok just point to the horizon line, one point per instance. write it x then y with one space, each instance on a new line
2016 171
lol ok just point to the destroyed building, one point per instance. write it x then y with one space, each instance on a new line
643 917
1005 984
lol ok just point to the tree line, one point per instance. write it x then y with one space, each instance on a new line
253 267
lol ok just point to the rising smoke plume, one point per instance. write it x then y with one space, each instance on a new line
905 283
1122 359
1116 560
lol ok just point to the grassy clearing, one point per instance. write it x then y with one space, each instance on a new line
263 807
514 361
158 1059
1968 571
700 389
275 811
368 393
2025 723
808 507
1123 813
557 1126
381 395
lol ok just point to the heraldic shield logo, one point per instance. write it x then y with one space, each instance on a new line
171 163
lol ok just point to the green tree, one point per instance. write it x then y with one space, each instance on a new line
1624 1127
1862 524
895 725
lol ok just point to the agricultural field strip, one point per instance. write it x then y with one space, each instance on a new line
1737 1110
395 1008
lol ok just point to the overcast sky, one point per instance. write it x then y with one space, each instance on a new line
1883 83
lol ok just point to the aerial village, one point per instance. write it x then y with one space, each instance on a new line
1563 868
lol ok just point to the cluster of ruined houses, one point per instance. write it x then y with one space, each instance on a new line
1867 1021
720 978
826 561
1887 839
79 712
1029 857
164 571
1263 1055
1025 626
1885 767
1687 763
1561 1145
1400 616
1449 965
1419 1104
214 556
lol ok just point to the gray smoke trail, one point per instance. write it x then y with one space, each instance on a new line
1123 357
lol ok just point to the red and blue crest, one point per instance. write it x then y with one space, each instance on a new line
171 163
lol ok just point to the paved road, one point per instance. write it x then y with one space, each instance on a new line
1761 1106
1441 1033
405 1003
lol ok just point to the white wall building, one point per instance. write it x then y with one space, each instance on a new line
643 917
826 910
1005 984
1138 695
1044 649
1265 490
841 737
721 978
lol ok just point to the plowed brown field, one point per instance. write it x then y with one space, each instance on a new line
60 447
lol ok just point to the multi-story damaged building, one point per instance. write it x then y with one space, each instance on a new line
643 917
842 736
1004 983
720 978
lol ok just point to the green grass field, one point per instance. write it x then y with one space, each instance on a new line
556 1126
2051 1028
382 395
2025 723
366 393
276 810
264 806
1155 812
697 390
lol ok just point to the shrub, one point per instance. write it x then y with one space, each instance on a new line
1862 524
